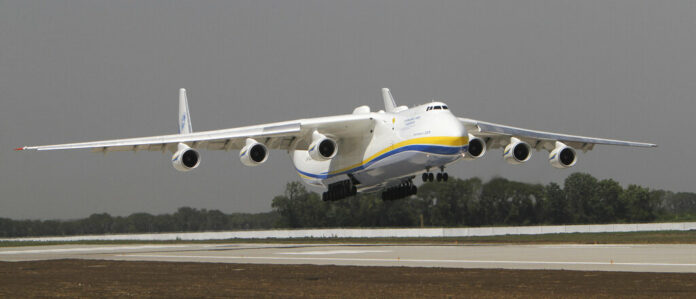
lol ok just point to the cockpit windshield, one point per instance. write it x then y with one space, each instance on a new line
436 107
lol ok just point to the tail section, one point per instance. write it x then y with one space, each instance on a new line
389 104
184 116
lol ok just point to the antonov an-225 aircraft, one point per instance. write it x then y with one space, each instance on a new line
364 151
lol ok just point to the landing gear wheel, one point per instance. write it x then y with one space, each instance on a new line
439 177
425 177
445 177
431 177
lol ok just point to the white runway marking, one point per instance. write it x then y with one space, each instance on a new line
325 252
404 260
587 246
88 249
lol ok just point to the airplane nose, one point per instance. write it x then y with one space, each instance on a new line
464 135
459 130
457 127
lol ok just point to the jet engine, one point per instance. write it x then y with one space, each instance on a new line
517 152
186 159
562 156
253 153
322 148
476 148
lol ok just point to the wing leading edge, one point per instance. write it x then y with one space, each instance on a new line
279 135
497 135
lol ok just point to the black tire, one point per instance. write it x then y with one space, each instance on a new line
425 177
431 177
439 177
445 177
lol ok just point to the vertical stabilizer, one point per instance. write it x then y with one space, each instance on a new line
184 116
389 104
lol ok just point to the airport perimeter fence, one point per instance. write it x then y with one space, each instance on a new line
378 232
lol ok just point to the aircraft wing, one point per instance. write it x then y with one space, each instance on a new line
280 135
497 135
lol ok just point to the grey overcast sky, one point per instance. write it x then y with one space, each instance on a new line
75 71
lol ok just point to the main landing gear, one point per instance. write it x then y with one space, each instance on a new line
405 189
442 176
340 190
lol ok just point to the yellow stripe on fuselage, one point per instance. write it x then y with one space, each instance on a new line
444 141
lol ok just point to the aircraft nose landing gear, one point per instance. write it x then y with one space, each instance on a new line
442 176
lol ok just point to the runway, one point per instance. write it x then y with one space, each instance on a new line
624 257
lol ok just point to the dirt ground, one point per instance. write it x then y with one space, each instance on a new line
94 278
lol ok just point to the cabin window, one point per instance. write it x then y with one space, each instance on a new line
437 108
444 107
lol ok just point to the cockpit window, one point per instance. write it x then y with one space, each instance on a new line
443 107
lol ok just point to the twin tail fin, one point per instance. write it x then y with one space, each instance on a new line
184 115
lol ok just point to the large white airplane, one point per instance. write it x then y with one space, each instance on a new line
364 151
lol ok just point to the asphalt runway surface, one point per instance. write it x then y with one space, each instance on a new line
624 257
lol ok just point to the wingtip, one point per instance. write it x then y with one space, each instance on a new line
20 148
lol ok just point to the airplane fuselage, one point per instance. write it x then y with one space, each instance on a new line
397 146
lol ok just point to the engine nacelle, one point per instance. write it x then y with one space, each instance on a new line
186 159
517 152
362 110
476 148
253 153
562 156
322 148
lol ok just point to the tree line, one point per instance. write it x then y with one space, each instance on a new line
185 219
583 199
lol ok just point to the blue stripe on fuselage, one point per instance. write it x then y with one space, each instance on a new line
430 149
